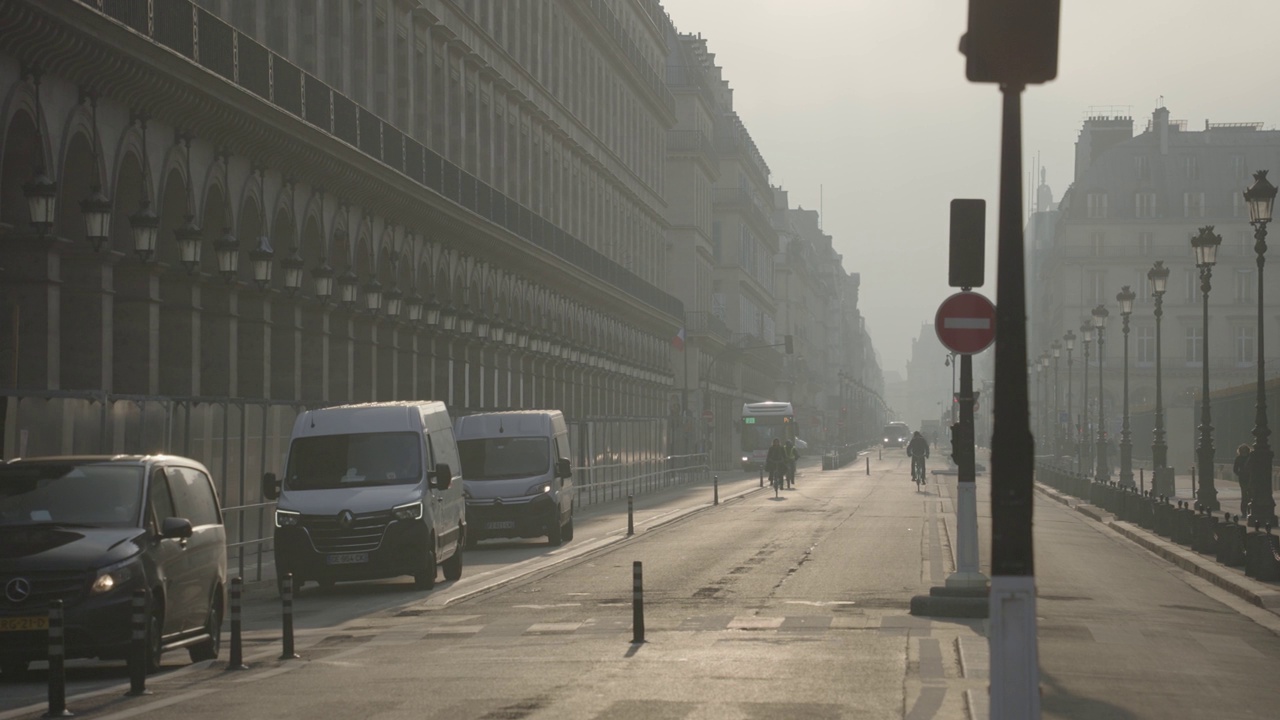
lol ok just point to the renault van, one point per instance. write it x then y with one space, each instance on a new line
517 475
370 491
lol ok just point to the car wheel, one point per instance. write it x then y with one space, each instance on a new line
555 536
13 670
154 649
453 566
208 649
425 577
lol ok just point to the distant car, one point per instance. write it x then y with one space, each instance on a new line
91 530
896 434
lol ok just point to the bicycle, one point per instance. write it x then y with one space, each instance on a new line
776 478
917 471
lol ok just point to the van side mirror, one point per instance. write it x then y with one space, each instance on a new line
270 486
176 528
563 468
442 477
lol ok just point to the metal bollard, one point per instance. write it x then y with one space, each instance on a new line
880 453
286 599
715 489
637 602
237 658
868 465
138 649
1142 480
1193 481
57 671
631 525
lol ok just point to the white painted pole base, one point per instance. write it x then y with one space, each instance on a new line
1015 657
967 574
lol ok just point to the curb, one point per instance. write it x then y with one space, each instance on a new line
1235 582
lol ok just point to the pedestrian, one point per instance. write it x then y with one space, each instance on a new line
1241 468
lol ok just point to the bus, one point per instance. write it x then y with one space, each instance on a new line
762 422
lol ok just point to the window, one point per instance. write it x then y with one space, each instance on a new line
1237 203
1194 344
1143 167
161 502
1246 351
715 241
1239 169
1098 286
1144 204
193 496
1143 287
1193 204
1096 205
1145 344
1146 241
1191 167
1097 244
1244 286
1192 284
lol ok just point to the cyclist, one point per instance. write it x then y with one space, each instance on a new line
918 449
791 455
776 461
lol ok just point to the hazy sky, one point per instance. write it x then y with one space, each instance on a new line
869 101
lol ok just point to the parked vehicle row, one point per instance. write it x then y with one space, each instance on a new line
368 491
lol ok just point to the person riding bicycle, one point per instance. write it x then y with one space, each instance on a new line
789 468
918 449
776 460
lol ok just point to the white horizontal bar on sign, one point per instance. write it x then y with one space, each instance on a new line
967 323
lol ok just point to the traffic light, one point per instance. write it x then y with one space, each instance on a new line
1011 41
786 340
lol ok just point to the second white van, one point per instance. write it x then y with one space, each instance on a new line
517 474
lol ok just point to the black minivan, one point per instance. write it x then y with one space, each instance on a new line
89 531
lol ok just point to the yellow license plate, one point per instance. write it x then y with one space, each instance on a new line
9 624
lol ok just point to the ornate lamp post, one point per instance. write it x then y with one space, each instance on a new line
1055 349
1102 468
1126 298
1069 342
1261 198
1206 246
1046 421
1161 474
1082 436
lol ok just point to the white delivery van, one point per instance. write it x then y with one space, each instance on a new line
517 474
370 491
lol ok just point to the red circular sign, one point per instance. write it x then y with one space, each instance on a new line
966 323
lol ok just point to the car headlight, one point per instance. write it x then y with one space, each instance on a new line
412 511
886 439
746 459
287 518
541 488
114 576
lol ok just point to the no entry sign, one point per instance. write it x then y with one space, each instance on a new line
966 323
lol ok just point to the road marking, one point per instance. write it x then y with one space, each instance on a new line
268 673
751 622
552 628
131 712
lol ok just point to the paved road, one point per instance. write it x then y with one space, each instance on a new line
758 608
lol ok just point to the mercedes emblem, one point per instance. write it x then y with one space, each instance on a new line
17 590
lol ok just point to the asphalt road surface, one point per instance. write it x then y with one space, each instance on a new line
795 607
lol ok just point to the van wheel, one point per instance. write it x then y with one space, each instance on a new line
568 528
473 540
453 566
556 535
208 649
425 577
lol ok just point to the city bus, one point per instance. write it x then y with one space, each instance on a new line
761 423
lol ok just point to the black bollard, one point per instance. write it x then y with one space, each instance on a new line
237 658
631 525
1142 480
138 651
715 489
868 464
57 671
637 602
286 598
1193 481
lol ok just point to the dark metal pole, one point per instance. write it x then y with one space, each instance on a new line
1262 506
1208 495
1070 416
1057 424
1082 432
637 602
1101 472
57 669
1012 445
1159 450
1126 447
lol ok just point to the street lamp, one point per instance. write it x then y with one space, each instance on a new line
1102 469
1055 349
1126 298
97 207
1082 434
1261 198
1161 475
41 192
1206 246
323 278
1069 341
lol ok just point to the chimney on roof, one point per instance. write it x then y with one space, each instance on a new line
1160 123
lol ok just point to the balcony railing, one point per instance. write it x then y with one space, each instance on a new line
701 322
207 41
691 141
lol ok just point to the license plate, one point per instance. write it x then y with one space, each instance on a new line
500 525
347 559
18 624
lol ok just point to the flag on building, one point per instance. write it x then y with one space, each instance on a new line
677 342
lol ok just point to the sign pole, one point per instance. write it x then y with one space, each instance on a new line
967 574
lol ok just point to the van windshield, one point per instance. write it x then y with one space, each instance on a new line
333 461
66 494
504 458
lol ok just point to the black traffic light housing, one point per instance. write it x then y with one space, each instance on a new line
1011 41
